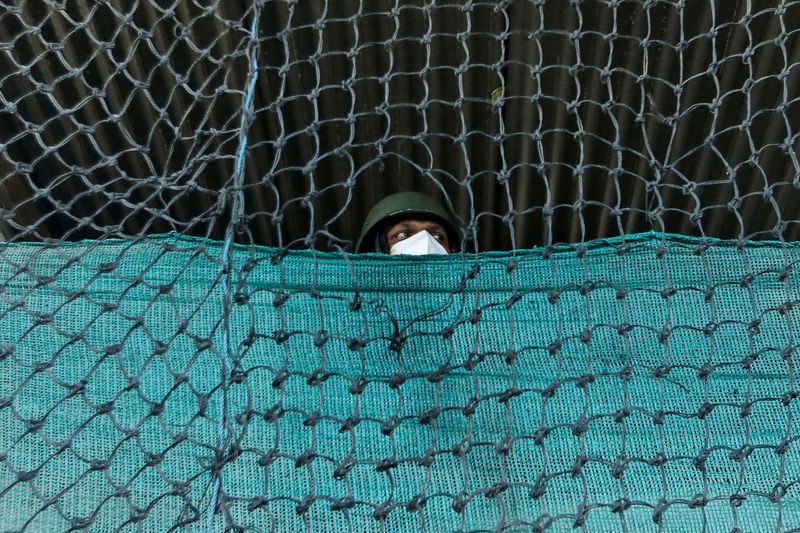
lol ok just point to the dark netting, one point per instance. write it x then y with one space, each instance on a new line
187 341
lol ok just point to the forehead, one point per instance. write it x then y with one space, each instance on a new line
414 223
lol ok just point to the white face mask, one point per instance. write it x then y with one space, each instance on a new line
421 243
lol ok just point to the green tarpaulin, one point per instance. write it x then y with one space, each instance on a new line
642 383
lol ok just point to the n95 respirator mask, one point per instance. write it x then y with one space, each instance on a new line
421 243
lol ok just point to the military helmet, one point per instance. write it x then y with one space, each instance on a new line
400 206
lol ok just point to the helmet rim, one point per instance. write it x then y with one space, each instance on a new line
404 205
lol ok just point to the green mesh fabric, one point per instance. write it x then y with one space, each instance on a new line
642 383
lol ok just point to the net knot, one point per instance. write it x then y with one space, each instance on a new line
662 371
618 467
397 342
180 437
349 423
460 449
746 409
659 510
621 415
312 419
389 425
343 468
580 516
426 459
460 502
104 408
280 378
355 302
510 356
699 461
504 446
430 415
471 406
539 488
318 377
382 511
448 331
782 447
280 336
508 394
268 457
439 375
138 515
542 523
705 371
698 501
321 337
237 377
42 366
624 327
748 361
356 344
304 504
620 505
577 466
81 522
343 504
416 503
705 410
304 458
778 492
386 464
540 435
153 459
256 503
156 409
358 385
668 292
98 464
740 454
76 388
244 417
783 275
132 383
34 425
496 489
736 500
397 380
550 390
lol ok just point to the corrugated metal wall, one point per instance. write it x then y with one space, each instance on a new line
538 121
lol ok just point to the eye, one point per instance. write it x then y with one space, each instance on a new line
438 236
403 234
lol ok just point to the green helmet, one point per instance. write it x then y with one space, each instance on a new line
404 205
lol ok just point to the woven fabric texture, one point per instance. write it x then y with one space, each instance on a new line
644 383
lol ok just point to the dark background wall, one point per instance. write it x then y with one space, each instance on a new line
536 121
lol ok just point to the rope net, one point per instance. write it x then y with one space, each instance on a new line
189 343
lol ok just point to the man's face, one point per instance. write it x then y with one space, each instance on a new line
411 226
